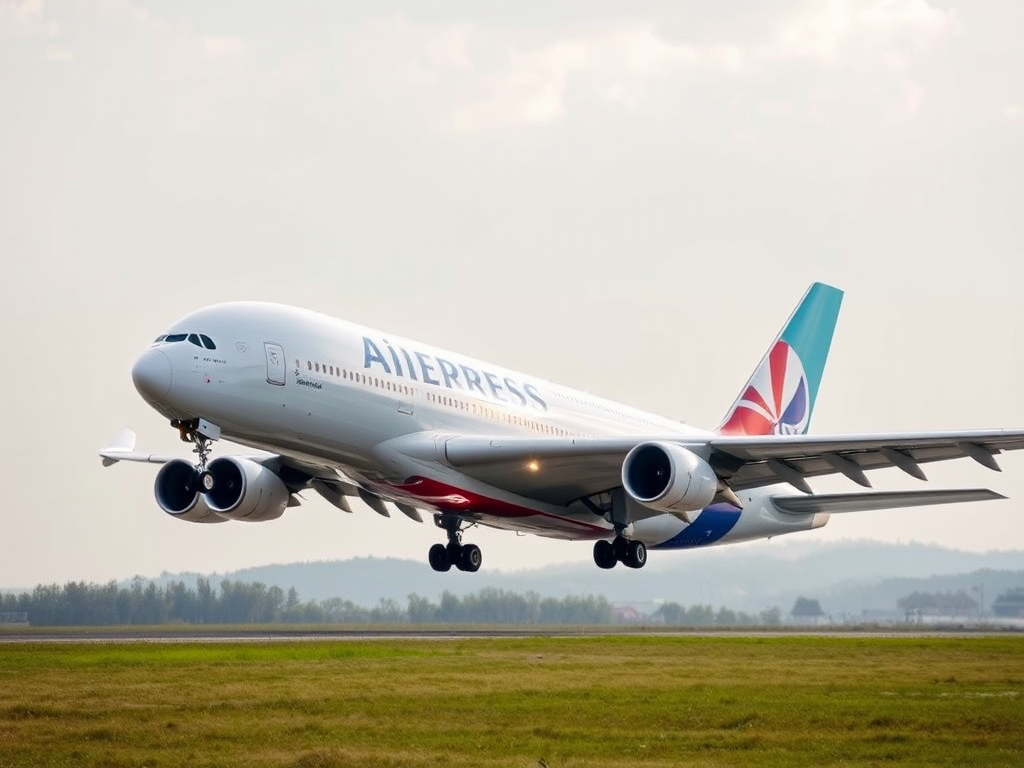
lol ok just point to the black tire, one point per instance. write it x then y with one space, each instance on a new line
438 558
621 548
470 558
636 554
604 554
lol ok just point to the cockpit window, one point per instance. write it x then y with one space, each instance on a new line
199 339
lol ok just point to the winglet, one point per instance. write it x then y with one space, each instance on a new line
118 447
122 448
780 395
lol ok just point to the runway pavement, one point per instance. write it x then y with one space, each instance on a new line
264 635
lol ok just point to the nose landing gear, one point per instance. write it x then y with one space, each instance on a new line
465 557
201 433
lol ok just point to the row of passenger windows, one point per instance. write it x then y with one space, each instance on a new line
477 409
359 378
494 414
199 339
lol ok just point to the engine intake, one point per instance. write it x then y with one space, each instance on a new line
241 489
668 478
177 493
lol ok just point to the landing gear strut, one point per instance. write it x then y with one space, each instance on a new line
202 434
631 553
465 557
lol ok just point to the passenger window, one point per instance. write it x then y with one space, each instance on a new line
317 367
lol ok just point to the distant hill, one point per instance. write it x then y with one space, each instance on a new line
848 578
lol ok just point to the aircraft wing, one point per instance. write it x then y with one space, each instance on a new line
329 481
122 448
836 503
561 470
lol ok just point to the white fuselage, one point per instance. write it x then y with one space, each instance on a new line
331 393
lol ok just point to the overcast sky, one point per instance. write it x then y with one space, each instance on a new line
624 197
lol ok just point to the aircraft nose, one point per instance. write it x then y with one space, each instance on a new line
151 375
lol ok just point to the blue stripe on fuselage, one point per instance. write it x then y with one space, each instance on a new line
711 525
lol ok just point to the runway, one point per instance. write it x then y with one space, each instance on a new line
263 635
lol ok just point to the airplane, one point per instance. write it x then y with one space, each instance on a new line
355 413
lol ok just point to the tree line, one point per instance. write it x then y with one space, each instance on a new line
234 602
140 602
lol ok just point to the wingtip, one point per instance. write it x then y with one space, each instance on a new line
121 443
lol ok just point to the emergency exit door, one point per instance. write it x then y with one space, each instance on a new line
275 364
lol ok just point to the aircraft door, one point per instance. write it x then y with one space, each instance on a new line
275 364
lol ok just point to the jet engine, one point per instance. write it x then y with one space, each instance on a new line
177 493
668 478
241 489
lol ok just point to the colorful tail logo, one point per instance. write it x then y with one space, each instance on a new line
776 399
780 395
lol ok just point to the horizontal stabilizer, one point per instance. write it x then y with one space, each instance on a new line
868 502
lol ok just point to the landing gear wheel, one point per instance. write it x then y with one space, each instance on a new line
454 551
470 558
439 559
636 554
206 482
604 554
619 547
465 557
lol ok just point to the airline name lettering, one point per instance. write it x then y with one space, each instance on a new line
419 366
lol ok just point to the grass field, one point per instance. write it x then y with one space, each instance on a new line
588 701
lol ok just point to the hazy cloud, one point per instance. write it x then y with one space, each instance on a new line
844 32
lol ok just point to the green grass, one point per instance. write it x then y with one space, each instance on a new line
587 701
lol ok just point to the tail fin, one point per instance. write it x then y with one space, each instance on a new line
780 395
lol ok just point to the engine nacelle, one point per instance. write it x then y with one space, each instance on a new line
668 478
177 493
241 489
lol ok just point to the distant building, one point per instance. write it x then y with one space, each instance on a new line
1009 605
807 611
938 605
14 618
627 614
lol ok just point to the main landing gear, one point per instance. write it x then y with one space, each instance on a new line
631 553
465 557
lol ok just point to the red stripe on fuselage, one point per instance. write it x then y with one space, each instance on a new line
448 498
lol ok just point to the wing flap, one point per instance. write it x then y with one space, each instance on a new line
835 503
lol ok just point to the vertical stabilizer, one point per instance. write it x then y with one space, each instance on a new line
780 395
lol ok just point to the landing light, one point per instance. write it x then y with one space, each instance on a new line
533 466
